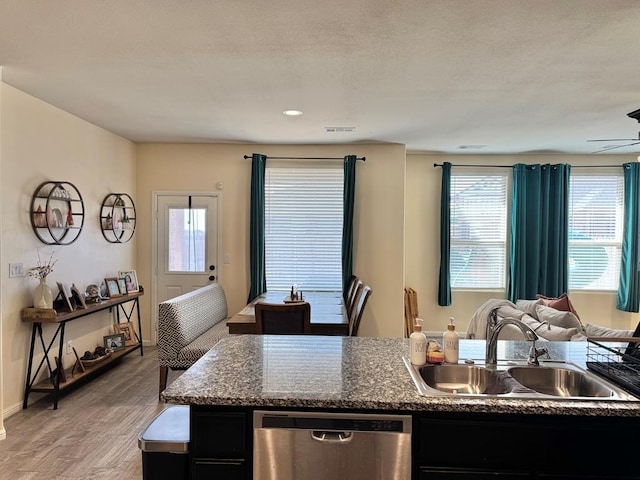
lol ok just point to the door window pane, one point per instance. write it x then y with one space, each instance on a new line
187 239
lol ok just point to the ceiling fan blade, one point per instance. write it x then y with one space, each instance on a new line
606 149
614 140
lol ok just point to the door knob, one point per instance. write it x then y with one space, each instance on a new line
212 267
212 277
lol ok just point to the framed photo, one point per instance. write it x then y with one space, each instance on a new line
78 297
113 290
114 342
65 297
122 285
130 337
130 280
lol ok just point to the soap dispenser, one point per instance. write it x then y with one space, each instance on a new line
451 342
418 342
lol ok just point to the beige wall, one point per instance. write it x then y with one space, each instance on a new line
423 243
379 219
39 143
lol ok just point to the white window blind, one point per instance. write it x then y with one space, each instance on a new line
303 237
595 231
478 230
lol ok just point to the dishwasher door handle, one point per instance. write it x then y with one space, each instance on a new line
328 436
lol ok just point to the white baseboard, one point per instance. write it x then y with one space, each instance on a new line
11 411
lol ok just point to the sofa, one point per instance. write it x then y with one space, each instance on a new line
552 319
188 326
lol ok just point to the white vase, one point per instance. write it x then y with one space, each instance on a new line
42 295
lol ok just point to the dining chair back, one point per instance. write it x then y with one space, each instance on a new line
283 318
350 286
361 302
351 300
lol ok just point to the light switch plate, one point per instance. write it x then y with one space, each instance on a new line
16 270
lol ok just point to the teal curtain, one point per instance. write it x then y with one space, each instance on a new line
256 228
349 196
444 284
629 289
539 247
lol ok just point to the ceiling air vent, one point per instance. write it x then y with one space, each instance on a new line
339 129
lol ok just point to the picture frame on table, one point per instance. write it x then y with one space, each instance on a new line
63 292
122 285
130 337
78 297
111 284
115 342
130 279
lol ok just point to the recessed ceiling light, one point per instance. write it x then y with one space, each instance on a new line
292 113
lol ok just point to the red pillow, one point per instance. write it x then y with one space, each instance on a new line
561 303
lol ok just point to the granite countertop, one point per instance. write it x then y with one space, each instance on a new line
327 372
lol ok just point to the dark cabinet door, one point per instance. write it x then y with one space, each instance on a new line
222 470
218 435
456 474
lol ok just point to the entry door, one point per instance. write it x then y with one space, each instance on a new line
187 243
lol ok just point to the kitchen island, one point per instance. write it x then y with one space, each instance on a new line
453 437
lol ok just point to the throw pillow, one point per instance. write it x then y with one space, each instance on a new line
551 332
559 303
529 306
598 331
558 318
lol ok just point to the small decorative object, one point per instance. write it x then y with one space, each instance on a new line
65 297
78 362
39 217
131 280
130 337
108 222
114 342
92 294
69 218
42 295
113 290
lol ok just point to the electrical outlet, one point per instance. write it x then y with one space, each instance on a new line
227 258
69 347
16 270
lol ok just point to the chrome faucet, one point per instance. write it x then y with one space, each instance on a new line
494 326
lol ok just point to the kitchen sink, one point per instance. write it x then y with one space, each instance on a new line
560 382
514 379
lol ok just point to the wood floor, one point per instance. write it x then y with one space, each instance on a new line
93 435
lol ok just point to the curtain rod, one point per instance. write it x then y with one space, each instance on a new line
511 166
364 159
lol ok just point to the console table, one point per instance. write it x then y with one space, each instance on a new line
126 305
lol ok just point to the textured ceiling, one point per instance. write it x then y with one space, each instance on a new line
513 75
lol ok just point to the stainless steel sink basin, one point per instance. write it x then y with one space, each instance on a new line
560 382
467 379
514 379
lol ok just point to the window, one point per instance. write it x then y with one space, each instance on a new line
303 226
478 230
595 231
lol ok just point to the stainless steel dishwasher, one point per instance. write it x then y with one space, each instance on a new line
331 446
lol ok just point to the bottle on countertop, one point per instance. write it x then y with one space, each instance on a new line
418 342
451 342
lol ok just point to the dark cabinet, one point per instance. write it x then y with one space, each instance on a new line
220 444
478 446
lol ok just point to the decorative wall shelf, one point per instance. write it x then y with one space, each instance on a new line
57 213
118 218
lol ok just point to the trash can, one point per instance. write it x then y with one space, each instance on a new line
165 445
